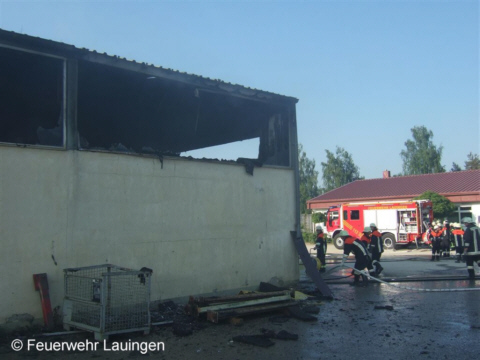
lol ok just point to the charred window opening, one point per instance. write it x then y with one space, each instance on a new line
130 111
228 152
31 98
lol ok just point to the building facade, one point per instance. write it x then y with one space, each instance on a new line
461 187
91 172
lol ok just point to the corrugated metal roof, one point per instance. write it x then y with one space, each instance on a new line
451 183
92 55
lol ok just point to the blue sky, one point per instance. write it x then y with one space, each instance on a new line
365 72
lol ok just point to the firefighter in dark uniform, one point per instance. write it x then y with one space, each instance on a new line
446 243
436 242
365 239
351 244
471 239
321 247
457 233
429 234
376 248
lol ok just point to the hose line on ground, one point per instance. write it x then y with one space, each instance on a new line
370 277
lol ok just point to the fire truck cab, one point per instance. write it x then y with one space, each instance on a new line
400 223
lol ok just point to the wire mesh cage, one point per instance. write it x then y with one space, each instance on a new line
107 299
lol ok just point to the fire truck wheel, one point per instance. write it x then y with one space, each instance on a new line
338 242
389 241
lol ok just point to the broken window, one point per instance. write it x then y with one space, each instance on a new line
129 111
31 98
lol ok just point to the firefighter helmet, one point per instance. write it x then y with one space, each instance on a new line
467 220
367 229
372 225
319 228
343 233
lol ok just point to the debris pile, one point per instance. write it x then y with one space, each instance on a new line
164 313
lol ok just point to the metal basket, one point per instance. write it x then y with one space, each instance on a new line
107 299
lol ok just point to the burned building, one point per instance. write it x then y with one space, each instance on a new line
92 172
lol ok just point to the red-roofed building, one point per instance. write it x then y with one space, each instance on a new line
460 187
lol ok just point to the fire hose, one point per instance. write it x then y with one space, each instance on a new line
370 277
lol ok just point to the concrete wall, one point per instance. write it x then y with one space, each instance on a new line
202 227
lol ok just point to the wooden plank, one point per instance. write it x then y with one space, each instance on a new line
240 297
241 304
216 316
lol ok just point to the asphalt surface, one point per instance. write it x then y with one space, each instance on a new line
418 309
401 263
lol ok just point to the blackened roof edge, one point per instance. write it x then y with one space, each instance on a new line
33 43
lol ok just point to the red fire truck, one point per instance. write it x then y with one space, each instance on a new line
400 222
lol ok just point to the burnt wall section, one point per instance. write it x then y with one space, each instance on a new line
121 110
31 98
55 95
274 142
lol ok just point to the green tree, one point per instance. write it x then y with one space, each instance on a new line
308 179
442 207
339 169
421 156
473 162
455 167
318 217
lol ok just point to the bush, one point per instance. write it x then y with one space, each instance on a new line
318 218
442 207
309 237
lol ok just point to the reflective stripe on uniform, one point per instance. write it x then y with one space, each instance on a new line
360 247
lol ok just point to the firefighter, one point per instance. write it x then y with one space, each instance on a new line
376 248
351 244
321 247
436 242
471 238
457 233
446 243
365 239
429 233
